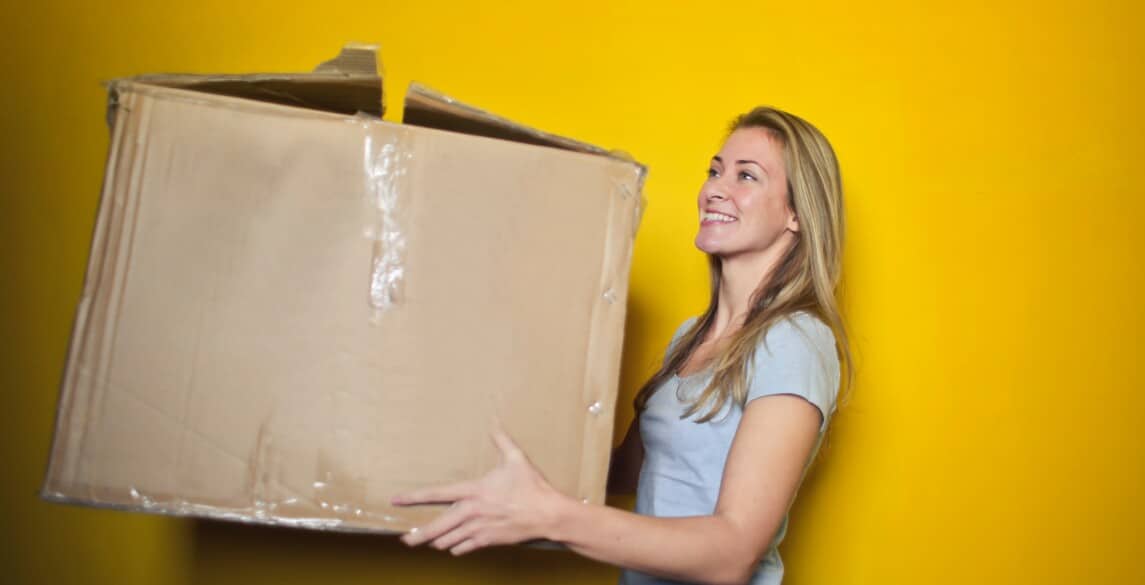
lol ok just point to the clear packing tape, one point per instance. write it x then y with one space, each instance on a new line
386 165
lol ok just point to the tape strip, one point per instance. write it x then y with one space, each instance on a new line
387 159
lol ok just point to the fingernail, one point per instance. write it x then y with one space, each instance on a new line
408 537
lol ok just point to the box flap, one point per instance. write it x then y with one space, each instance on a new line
347 84
432 109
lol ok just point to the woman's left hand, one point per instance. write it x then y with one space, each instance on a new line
510 504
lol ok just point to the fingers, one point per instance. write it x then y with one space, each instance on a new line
444 523
505 443
464 547
458 535
456 530
434 495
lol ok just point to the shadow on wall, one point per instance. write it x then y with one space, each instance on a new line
225 552
638 324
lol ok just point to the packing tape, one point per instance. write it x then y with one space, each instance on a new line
387 157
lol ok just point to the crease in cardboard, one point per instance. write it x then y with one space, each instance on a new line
104 243
592 406
285 97
627 180
186 430
191 94
261 478
269 497
125 206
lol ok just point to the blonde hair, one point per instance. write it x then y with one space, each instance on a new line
806 279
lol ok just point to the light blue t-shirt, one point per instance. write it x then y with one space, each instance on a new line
684 461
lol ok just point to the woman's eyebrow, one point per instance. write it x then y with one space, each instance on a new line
742 162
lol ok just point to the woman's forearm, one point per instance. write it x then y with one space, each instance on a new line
514 503
700 549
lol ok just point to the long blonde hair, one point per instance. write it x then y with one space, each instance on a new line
806 279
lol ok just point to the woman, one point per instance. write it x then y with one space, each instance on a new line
727 428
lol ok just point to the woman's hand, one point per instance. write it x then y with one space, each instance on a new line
510 504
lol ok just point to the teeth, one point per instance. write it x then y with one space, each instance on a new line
713 216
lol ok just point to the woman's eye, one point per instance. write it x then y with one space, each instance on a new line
747 176
713 173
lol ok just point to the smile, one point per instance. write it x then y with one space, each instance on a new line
716 217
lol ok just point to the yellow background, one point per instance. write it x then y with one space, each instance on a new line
991 154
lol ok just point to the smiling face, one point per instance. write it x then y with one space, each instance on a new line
744 205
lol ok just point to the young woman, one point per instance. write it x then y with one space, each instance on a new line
729 425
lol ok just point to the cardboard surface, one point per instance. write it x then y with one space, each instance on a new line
227 359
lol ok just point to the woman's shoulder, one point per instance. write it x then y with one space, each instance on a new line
803 323
800 330
798 323
682 327
798 356
680 330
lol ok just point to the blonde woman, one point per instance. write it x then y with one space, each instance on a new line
729 425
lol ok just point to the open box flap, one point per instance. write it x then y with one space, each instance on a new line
432 109
347 84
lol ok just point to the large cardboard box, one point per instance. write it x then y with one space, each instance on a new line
294 310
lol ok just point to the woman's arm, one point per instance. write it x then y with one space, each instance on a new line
627 458
514 503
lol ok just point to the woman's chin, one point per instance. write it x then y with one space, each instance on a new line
708 245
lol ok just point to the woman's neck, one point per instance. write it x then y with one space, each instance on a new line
740 277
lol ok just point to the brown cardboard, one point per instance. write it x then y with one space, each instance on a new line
346 84
229 358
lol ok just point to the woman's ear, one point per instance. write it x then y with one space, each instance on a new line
793 222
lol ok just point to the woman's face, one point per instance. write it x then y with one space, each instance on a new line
743 204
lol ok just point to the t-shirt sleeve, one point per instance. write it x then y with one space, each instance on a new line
799 358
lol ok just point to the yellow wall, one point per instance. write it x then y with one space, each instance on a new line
991 153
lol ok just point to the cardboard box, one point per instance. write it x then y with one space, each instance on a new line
294 310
